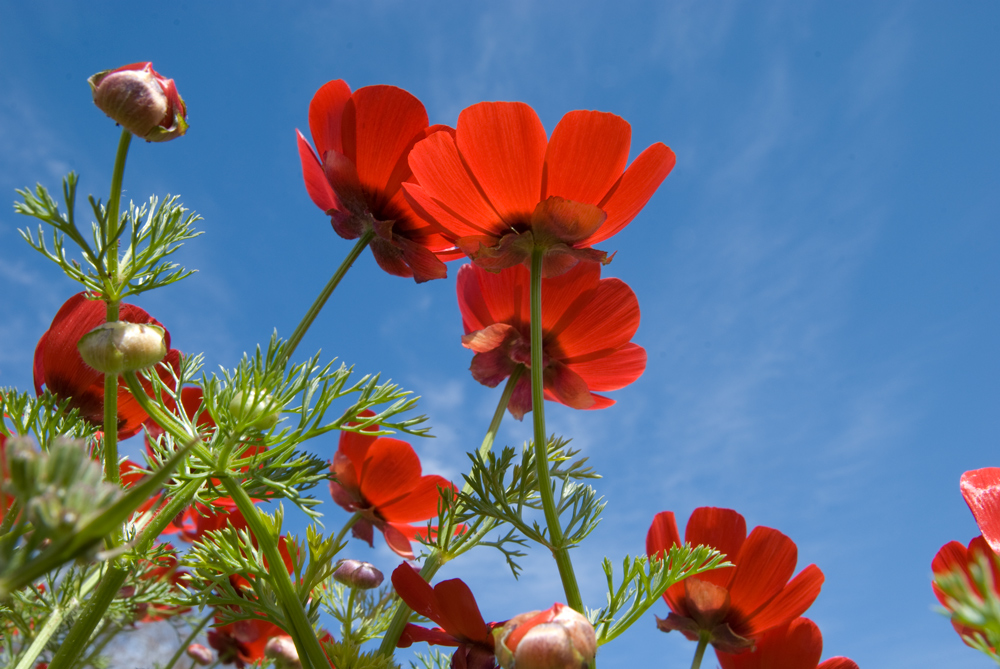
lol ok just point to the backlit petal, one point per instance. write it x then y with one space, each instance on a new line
764 564
724 530
602 324
391 469
420 503
981 489
795 646
458 605
326 114
790 603
586 155
663 535
416 592
317 186
613 371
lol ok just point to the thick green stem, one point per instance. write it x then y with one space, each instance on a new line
328 289
436 559
114 204
111 471
195 631
700 650
310 652
559 550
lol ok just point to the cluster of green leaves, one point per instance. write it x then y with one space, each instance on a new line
975 603
155 230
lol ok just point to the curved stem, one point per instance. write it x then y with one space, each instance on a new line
328 289
165 420
350 615
700 651
190 639
348 525
559 550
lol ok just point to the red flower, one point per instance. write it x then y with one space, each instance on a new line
956 558
452 606
981 489
587 323
496 177
381 478
59 368
794 645
363 140
242 642
735 604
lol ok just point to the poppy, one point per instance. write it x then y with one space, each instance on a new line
587 323
362 140
981 489
452 606
954 558
242 642
735 605
794 645
59 367
381 478
496 178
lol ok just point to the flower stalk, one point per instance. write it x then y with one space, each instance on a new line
699 652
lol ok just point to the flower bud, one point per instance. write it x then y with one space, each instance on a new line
199 654
118 347
143 102
559 638
281 649
262 414
358 574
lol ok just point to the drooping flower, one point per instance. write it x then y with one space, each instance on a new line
381 478
794 645
363 140
242 642
59 367
452 606
143 101
735 605
954 559
981 490
587 325
496 178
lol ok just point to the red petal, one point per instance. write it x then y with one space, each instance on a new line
586 155
391 469
458 605
520 399
317 186
798 645
504 143
660 538
416 634
981 489
380 123
38 364
390 258
424 264
556 219
397 542
838 663
564 299
355 446
485 298
952 556
764 564
598 326
722 529
491 367
613 371
790 603
633 190
421 503
416 592
326 113
489 338
566 386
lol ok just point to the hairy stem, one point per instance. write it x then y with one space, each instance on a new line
559 550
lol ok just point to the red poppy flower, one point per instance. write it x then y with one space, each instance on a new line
142 100
735 604
452 606
496 177
955 558
981 489
59 368
794 645
381 478
587 323
363 140
242 642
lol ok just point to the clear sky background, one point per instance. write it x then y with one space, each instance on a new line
818 276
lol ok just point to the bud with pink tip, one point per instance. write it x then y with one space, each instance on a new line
282 650
199 654
358 574
559 638
143 102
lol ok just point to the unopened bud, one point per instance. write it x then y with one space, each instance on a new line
143 102
113 348
281 649
358 574
199 654
559 638
262 414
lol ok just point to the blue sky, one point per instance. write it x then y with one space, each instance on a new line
818 276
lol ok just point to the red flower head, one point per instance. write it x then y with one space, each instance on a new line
981 489
242 642
736 605
143 101
452 606
59 367
954 558
363 140
794 645
496 177
381 478
587 324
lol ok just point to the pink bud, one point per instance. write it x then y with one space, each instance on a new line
358 574
282 650
199 654
143 102
559 638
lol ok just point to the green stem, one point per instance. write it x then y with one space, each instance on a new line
350 615
328 289
559 550
111 471
13 511
348 525
165 420
437 558
195 631
54 622
114 203
310 652
79 635
700 651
